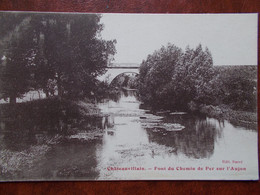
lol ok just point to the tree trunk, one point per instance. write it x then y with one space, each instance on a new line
46 92
12 99
60 92
39 94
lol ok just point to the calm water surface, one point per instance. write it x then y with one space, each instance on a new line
135 138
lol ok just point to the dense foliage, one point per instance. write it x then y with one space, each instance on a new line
125 80
237 86
186 80
56 53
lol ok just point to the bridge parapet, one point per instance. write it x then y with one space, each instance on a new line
123 67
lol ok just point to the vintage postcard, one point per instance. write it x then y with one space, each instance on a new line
128 96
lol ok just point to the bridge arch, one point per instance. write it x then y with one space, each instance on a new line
122 74
113 72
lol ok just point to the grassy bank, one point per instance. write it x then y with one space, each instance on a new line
13 163
53 113
238 118
29 130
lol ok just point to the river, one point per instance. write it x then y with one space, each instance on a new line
136 143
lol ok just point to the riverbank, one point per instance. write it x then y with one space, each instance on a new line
221 112
13 163
238 118
44 110
29 130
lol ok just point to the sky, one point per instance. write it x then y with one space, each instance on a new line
231 38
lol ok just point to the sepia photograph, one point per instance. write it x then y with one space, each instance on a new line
87 96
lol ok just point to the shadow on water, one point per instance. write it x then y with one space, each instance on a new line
36 137
26 124
196 140
55 140
68 160
107 122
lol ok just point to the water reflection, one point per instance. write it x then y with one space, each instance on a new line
68 160
107 122
195 141
130 135
23 125
137 137
35 142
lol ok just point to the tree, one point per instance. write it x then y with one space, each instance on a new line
15 56
73 52
156 72
49 52
192 81
172 79
237 87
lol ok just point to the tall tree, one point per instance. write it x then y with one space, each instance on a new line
53 51
157 71
192 80
73 52
171 78
15 54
